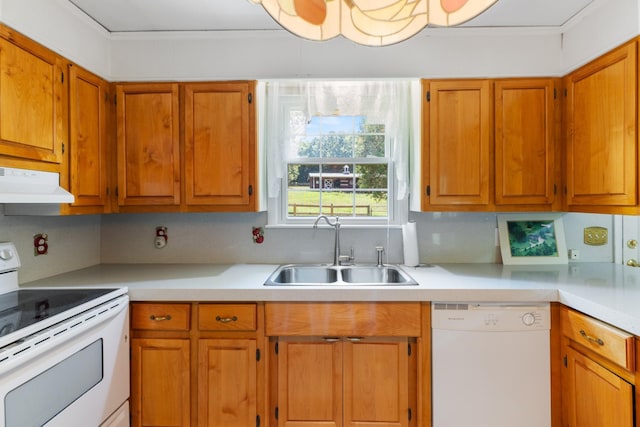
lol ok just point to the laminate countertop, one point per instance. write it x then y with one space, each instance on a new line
609 292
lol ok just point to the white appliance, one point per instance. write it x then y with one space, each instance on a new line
491 365
64 353
29 186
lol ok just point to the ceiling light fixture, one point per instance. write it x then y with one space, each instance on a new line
369 22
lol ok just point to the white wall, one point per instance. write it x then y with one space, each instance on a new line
609 24
278 54
74 242
61 27
226 238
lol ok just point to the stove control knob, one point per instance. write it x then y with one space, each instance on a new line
6 254
529 319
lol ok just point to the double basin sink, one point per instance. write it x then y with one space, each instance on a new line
318 275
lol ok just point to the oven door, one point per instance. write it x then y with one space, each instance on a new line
80 382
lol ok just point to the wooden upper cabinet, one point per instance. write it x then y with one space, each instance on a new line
148 145
88 141
601 169
32 99
219 166
525 134
457 144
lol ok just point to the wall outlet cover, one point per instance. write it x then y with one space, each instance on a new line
596 236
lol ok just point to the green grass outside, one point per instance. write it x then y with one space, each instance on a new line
366 205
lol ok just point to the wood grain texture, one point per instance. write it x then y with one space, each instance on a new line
525 142
601 120
33 112
148 144
343 319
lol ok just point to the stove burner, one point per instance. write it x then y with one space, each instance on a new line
41 309
24 307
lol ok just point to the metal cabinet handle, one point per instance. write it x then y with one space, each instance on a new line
331 339
354 339
226 319
590 338
160 318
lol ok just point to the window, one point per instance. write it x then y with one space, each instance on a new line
337 149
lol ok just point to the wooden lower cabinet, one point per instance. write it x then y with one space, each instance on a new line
227 382
348 364
333 382
160 386
598 373
196 364
595 396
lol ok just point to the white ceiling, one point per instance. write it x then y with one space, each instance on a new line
224 15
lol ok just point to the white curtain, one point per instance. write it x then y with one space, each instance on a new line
387 101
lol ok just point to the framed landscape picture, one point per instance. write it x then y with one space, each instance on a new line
532 239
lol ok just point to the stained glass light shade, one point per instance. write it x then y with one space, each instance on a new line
369 22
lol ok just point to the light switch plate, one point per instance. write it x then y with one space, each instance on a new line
596 236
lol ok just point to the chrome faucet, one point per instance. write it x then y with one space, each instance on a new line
336 243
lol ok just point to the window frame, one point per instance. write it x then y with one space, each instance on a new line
277 208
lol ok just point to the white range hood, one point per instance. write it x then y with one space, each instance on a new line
27 186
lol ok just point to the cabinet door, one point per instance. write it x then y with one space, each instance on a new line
219 145
227 383
88 155
457 146
32 100
148 144
595 396
525 142
601 131
309 383
160 387
376 383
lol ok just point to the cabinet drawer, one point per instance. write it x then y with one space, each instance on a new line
343 319
160 317
606 340
227 317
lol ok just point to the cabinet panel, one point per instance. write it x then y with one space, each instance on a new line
310 383
343 319
32 100
219 144
88 142
160 316
376 375
605 340
458 144
596 397
227 317
160 400
601 131
524 141
226 383
148 144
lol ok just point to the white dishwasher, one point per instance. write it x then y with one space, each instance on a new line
491 365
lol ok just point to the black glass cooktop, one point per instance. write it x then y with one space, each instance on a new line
25 307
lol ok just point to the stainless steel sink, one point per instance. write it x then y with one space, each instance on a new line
303 275
387 275
319 275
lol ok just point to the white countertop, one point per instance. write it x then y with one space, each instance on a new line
609 292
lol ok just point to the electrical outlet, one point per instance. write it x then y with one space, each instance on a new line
161 237
574 254
40 244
